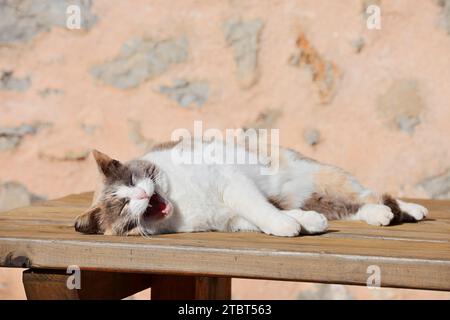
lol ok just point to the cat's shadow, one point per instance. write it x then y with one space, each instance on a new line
391 225
409 222
320 234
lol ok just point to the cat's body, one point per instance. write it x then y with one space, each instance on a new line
156 194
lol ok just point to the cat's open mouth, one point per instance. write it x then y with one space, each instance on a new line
158 207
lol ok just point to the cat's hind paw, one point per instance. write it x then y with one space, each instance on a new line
416 211
312 222
376 214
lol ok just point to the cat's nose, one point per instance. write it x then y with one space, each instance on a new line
141 194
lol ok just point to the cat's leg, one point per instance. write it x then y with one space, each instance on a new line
244 198
238 223
340 196
405 211
312 222
384 210
374 214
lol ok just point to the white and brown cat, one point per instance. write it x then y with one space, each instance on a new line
154 195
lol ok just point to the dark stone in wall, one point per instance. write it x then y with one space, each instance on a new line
438 186
14 194
9 82
445 4
21 20
186 93
140 60
11 137
243 38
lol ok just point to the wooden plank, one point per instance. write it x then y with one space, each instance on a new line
435 231
232 261
431 250
166 287
52 285
413 255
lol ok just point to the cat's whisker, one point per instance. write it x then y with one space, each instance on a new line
143 232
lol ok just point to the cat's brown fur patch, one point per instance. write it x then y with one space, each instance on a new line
165 145
88 222
399 215
281 203
332 207
111 169
335 183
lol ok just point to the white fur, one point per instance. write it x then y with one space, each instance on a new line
138 195
417 211
375 214
234 197
311 221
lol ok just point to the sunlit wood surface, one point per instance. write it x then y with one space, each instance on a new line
412 255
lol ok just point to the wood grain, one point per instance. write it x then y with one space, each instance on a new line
414 255
45 284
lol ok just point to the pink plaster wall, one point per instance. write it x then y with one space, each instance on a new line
357 130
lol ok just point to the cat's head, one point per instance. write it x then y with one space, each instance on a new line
130 201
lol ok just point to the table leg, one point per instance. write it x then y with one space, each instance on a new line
166 287
43 284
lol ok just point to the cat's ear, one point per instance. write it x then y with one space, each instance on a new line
89 221
107 166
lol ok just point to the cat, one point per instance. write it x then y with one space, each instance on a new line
154 195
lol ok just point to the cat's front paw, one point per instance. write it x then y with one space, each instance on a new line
283 226
376 214
416 211
311 221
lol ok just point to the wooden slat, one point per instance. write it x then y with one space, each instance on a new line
52 285
415 255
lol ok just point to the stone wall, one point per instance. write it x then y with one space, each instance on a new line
375 102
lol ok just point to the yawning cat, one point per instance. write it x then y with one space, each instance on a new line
154 195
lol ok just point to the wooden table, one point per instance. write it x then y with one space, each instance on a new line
200 265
